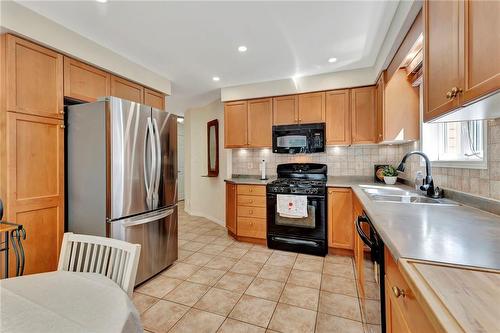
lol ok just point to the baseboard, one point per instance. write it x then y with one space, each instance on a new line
211 218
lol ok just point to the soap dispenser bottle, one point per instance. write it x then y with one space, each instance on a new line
262 168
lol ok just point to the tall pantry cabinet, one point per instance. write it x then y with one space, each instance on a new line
32 147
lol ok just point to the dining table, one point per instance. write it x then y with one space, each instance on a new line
67 302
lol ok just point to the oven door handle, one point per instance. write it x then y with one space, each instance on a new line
361 233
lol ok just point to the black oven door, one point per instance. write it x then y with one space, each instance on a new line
294 139
306 235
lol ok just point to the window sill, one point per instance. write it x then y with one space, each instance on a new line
460 164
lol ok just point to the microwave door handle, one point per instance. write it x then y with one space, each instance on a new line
361 233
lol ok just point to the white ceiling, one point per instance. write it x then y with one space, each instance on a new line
190 42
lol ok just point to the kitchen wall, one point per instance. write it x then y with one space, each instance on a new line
204 196
359 161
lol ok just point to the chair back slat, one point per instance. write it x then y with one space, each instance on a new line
115 259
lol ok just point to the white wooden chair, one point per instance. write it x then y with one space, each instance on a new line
116 259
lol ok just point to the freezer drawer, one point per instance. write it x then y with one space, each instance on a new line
157 233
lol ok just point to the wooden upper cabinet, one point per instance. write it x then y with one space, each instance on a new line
83 82
285 110
363 115
154 98
482 48
340 218
126 89
442 47
312 108
380 105
34 79
260 122
338 117
35 196
235 124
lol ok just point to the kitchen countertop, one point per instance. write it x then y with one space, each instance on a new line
249 180
458 235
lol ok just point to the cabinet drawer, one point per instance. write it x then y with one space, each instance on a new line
252 227
246 211
252 190
408 305
253 201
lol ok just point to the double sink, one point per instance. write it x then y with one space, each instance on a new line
399 195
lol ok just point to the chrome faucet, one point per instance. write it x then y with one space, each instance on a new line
428 185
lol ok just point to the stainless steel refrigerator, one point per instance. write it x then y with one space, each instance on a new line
122 177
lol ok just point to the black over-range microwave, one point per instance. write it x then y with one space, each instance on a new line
294 139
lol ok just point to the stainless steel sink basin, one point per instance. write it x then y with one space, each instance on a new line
398 195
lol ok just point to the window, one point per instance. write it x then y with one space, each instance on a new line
456 144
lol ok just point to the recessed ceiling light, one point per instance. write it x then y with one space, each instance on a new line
216 78
242 48
102 1
332 59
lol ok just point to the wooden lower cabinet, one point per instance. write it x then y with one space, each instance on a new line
35 191
340 219
403 312
246 210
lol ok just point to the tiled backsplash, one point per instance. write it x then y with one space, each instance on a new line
359 161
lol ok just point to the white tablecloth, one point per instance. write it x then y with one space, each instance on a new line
65 302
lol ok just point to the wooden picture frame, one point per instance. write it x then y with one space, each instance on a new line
213 148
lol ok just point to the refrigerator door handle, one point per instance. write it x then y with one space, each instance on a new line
150 218
158 165
149 183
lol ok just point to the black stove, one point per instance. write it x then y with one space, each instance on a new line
304 234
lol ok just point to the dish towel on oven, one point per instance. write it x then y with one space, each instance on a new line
292 206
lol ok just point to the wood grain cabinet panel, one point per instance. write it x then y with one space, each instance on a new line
442 60
231 207
312 108
285 110
126 89
338 117
35 197
482 48
34 79
363 115
252 227
235 124
83 82
340 218
258 190
154 99
260 122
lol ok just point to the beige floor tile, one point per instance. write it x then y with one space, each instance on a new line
257 256
372 290
327 323
369 328
275 273
223 241
221 263
233 252
212 249
373 315
187 293
158 286
143 302
199 259
236 326
192 246
218 301
310 265
181 242
286 253
184 254
335 259
310 257
205 239
206 276
305 279
339 305
281 260
187 236
339 285
234 282
242 245
162 316
302 297
198 321
291 319
345 271
253 310
246 267
267 289
180 270
262 248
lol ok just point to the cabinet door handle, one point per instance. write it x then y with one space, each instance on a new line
62 126
61 111
398 292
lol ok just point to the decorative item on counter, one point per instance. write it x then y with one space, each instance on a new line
262 168
390 175
419 180
378 176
